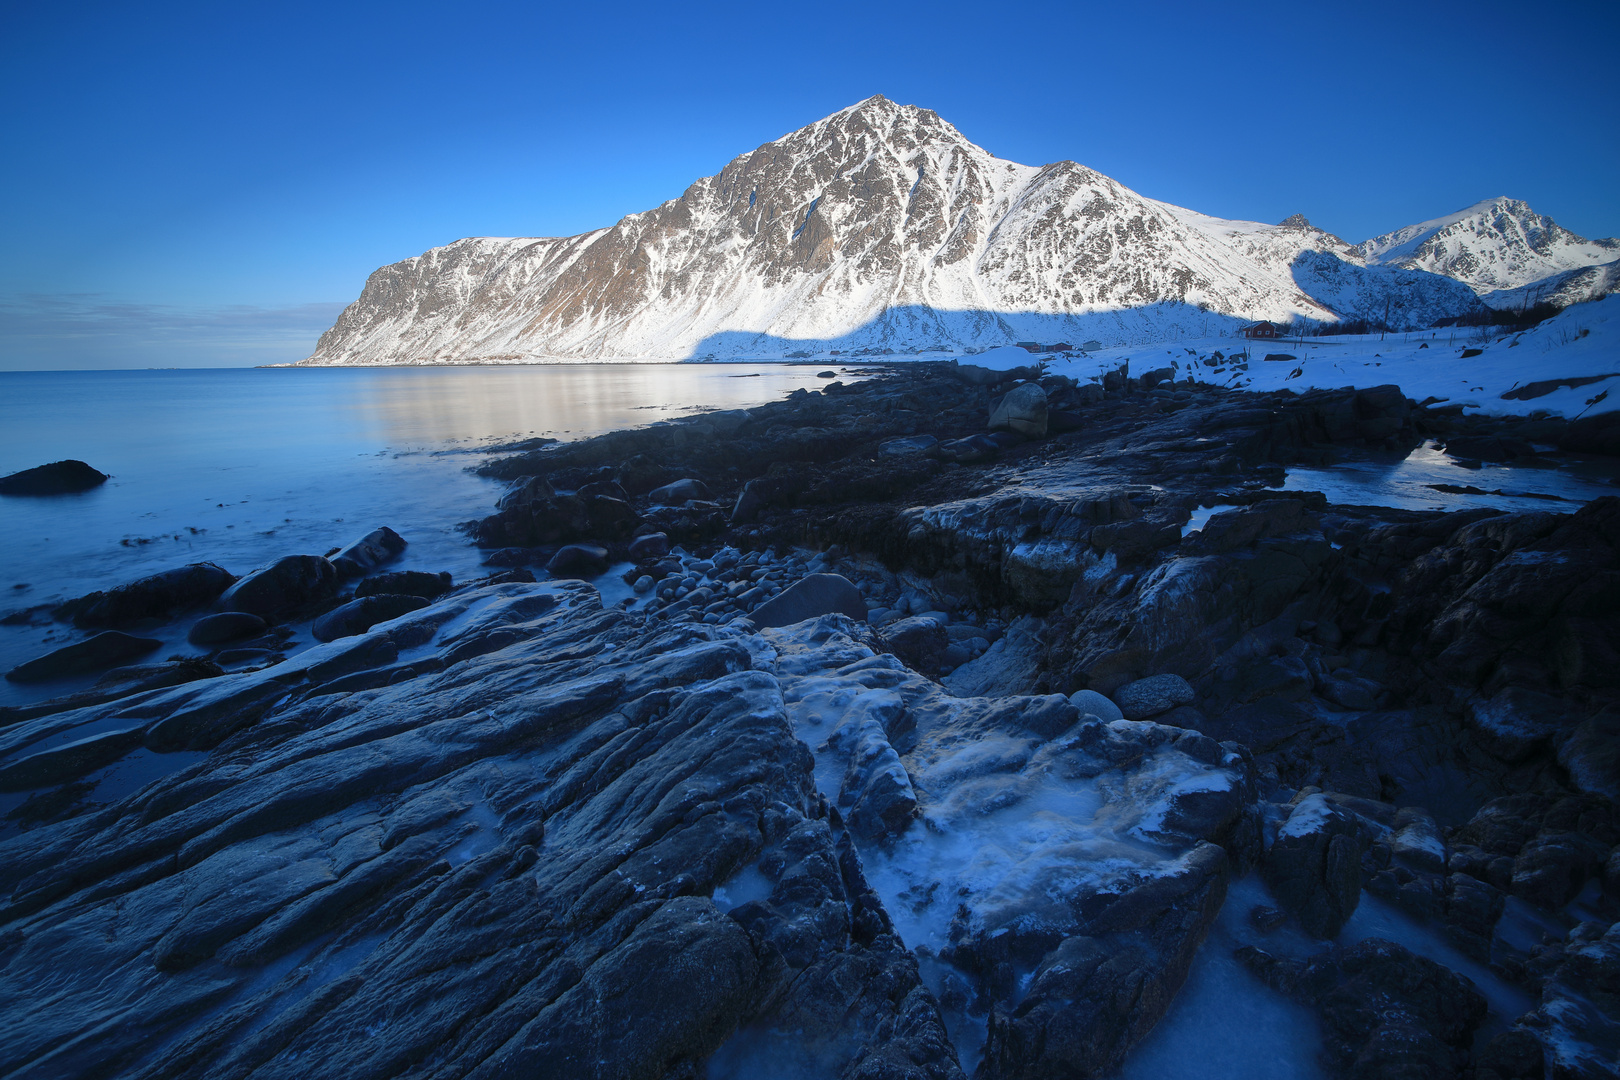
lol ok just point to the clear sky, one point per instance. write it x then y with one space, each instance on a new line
208 184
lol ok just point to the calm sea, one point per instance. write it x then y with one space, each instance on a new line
243 466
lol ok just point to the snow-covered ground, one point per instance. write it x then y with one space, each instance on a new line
1582 341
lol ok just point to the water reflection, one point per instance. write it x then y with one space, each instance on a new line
241 467
415 405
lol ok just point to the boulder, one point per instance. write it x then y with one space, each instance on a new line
156 596
680 492
1147 698
283 586
809 598
649 546
369 552
358 616
1095 704
407 583
1314 866
1022 410
225 626
919 641
102 651
57 478
578 561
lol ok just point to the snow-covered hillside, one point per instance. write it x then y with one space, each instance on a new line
1582 343
880 226
1493 245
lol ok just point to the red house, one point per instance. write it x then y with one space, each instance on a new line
1260 330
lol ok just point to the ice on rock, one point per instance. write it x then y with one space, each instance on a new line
1031 831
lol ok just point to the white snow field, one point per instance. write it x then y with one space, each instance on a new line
1580 342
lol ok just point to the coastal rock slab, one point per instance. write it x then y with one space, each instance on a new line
513 834
102 651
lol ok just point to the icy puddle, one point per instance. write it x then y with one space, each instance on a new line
1225 1024
1407 483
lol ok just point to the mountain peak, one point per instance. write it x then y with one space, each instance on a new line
1497 243
878 227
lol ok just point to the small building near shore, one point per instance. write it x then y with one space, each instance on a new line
1260 330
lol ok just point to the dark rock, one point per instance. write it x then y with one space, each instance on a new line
358 616
1147 698
809 598
653 545
909 446
406 583
680 492
102 651
157 596
578 561
920 642
1314 866
1493 448
971 450
1279 357
530 514
1591 755
610 489
369 552
57 478
1551 869
1387 1013
1598 434
1517 722
225 626
283 586
639 474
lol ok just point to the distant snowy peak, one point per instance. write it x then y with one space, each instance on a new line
878 227
1492 245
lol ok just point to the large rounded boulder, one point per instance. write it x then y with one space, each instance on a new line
810 598
283 586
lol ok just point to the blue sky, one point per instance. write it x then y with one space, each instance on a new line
205 185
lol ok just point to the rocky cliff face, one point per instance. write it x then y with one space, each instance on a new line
1492 245
879 226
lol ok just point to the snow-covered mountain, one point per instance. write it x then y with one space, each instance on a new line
1570 287
880 226
1492 246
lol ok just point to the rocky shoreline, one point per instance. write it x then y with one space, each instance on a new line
921 728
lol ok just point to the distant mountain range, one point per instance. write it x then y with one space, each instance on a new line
882 228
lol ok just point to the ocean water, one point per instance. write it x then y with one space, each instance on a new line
243 466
